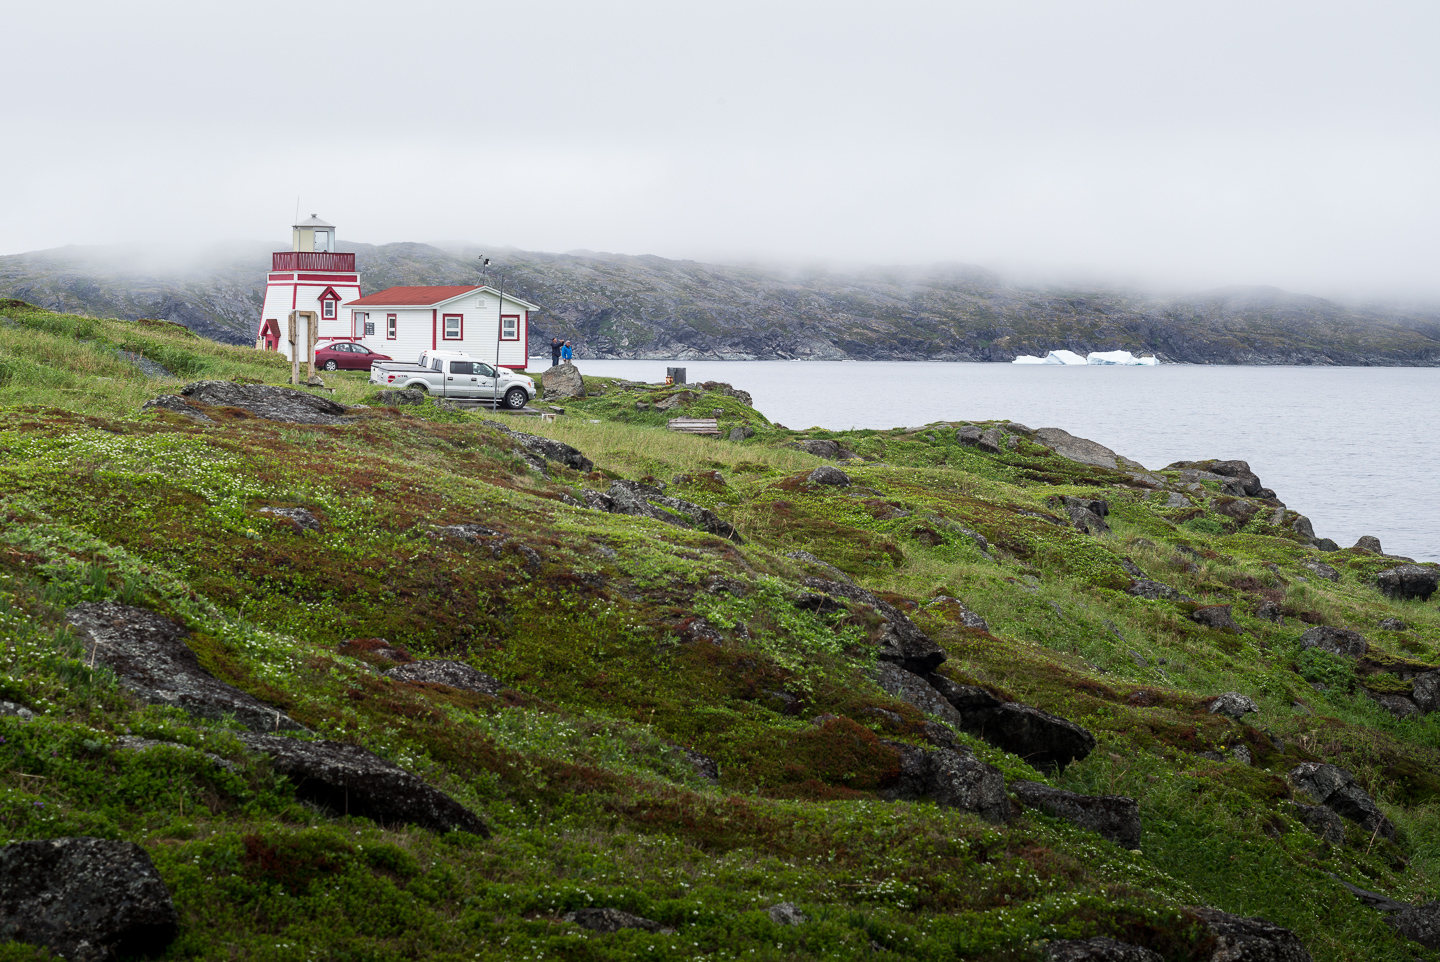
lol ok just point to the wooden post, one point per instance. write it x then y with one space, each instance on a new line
294 349
313 326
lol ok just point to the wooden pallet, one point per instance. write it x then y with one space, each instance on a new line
694 426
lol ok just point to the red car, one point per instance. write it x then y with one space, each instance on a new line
345 356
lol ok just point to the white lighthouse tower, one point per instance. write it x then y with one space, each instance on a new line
306 286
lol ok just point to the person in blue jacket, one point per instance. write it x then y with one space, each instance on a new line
566 353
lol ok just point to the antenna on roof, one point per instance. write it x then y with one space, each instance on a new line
297 209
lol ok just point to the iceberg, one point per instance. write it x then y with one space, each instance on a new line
1122 358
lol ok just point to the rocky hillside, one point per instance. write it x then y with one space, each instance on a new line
613 305
339 674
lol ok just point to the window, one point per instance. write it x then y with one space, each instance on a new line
454 327
322 240
461 367
327 310
509 327
483 369
390 326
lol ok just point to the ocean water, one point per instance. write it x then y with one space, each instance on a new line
1352 448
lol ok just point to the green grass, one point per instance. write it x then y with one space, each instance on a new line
579 767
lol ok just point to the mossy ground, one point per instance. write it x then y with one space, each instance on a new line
579 767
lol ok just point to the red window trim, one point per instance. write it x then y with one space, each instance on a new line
516 319
445 328
392 324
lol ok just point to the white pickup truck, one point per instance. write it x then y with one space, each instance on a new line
454 375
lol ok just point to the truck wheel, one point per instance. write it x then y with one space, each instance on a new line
330 365
515 398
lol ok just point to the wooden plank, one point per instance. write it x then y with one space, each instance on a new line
694 425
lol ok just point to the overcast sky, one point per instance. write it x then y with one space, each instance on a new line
1177 143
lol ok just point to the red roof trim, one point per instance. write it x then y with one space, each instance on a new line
412 296
328 294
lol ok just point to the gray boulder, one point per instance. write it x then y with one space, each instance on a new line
742 432
147 652
1337 641
1396 704
1087 514
952 778
1219 617
1324 823
1153 590
1336 789
454 674
1047 742
1394 624
785 913
85 899
349 780
826 474
1425 691
1232 704
300 519
1241 939
1419 923
1405 582
11 710
968 435
1320 569
991 439
1112 817
397 398
562 381
266 401
1369 544
825 448
901 642
175 403
1098 949
612 920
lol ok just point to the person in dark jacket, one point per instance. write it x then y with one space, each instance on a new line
554 351
566 353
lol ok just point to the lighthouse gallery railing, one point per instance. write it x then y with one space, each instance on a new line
311 261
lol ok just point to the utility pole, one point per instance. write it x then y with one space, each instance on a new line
499 325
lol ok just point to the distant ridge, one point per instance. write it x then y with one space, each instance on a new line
627 306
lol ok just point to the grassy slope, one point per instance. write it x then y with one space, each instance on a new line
577 770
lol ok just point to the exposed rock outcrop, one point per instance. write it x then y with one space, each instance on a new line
176 403
826 474
1324 823
952 778
547 448
1083 450
1337 641
85 899
397 398
1113 817
1219 617
454 674
901 642
1241 939
266 401
1098 949
1335 788
786 913
612 920
1047 742
1419 923
1232 704
825 448
149 655
648 501
349 780
1405 582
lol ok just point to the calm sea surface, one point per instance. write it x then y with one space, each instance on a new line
1353 448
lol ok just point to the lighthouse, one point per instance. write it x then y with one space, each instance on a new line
304 291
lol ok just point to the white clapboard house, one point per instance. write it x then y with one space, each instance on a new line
400 322
403 322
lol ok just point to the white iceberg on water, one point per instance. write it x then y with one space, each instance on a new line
1123 358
